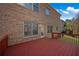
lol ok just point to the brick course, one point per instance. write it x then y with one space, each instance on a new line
14 15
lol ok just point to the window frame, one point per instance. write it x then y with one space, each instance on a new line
27 36
78 28
46 11
56 28
48 29
27 6
36 7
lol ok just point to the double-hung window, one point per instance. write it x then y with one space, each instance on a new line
35 28
27 29
57 28
32 6
30 29
49 29
36 7
28 5
47 12
78 28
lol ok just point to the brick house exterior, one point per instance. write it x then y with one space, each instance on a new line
62 25
76 26
14 18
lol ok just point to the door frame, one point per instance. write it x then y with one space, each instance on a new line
41 30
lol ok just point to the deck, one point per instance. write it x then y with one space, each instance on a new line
43 47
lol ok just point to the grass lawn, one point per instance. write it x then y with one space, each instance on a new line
70 40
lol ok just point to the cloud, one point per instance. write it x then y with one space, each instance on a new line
73 10
64 18
68 13
70 10
63 11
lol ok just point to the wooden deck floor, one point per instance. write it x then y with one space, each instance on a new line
42 47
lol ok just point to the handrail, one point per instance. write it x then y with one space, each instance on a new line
76 34
2 37
3 44
56 35
76 38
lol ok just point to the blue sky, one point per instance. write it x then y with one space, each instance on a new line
67 10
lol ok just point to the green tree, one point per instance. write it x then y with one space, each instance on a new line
68 25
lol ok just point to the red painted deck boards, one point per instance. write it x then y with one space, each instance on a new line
42 47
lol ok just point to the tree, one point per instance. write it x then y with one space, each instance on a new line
68 26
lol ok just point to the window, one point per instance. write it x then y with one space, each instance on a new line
57 28
27 29
49 29
36 7
35 29
30 29
78 28
28 5
47 12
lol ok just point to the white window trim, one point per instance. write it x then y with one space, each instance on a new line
33 8
29 8
48 11
29 35
47 29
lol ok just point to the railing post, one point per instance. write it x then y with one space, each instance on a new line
76 39
4 44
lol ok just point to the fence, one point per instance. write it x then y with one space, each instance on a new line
76 39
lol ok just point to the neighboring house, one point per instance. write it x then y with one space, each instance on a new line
29 21
76 26
62 25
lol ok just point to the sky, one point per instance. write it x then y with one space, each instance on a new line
67 10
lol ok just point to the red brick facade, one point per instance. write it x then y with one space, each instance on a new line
13 16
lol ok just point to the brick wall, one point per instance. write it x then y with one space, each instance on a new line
75 27
14 15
